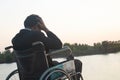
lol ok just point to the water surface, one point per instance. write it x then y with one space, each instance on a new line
95 67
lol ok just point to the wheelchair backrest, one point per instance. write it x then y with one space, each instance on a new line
32 62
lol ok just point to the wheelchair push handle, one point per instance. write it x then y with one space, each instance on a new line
8 47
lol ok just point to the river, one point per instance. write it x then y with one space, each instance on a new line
95 67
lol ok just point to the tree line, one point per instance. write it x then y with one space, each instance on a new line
7 57
104 47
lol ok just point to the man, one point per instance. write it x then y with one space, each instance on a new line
32 33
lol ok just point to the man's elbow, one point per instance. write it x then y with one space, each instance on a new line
60 45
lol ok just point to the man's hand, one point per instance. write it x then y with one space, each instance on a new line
42 26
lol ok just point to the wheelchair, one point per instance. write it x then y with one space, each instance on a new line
29 66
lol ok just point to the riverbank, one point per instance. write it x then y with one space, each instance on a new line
12 59
104 47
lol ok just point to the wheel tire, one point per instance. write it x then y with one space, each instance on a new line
51 72
13 75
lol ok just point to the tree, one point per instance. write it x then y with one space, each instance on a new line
8 56
105 45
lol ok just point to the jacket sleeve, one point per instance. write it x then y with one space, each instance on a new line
51 41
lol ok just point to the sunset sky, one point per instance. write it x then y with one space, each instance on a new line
73 21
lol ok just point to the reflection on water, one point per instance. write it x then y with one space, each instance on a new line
96 67
101 67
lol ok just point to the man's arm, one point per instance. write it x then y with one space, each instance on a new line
55 42
51 41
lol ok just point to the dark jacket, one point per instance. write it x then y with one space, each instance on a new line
24 39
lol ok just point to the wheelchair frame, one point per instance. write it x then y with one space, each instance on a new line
66 68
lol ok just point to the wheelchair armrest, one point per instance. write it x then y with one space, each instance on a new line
63 50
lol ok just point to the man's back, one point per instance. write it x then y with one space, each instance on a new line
34 26
24 39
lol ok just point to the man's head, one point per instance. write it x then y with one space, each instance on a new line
32 21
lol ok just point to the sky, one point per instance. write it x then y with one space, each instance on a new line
73 21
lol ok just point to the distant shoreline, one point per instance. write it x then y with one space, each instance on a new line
103 48
64 57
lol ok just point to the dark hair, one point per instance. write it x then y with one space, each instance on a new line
31 21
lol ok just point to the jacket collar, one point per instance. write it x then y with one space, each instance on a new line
28 29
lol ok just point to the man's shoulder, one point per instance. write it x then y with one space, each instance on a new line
32 33
27 34
27 31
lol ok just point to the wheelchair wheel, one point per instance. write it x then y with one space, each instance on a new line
63 77
74 76
81 77
13 75
49 74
